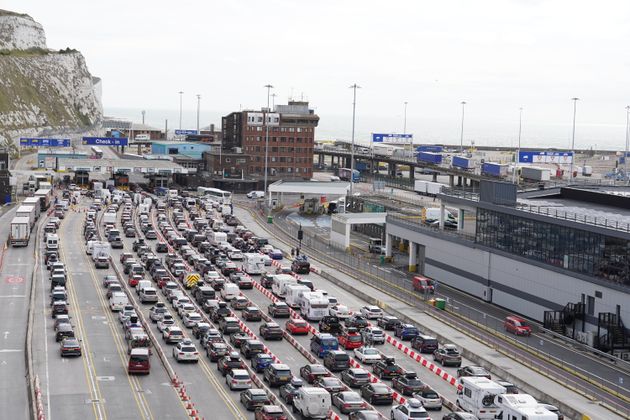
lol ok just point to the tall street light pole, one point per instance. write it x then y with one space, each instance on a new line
573 138
405 126
354 87
180 109
198 105
265 117
625 157
518 149
461 138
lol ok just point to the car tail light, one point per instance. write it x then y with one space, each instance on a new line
234 381
181 353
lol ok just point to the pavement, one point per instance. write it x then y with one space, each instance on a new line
571 401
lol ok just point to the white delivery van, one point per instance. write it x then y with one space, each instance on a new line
312 403
118 301
52 241
229 291
90 247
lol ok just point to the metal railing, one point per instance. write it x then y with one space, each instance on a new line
558 213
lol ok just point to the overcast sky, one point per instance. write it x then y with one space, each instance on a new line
496 55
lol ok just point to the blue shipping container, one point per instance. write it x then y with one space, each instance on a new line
429 157
463 162
430 148
494 169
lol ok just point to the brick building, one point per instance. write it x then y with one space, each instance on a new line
291 140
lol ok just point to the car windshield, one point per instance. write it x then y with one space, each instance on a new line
138 358
361 375
452 351
351 397
419 415
430 394
330 342
259 397
357 339
283 373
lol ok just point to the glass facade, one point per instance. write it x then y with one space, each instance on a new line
589 253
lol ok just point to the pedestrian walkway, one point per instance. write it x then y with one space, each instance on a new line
526 378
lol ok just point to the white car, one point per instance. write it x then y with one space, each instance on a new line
126 313
166 321
190 319
368 355
185 308
211 275
412 409
181 301
340 311
371 312
172 335
169 287
373 335
255 194
186 351
429 399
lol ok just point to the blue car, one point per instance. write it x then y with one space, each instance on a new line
261 361
322 343
275 254
406 332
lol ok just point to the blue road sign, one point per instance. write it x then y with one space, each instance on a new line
391 138
545 157
185 132
105 141
43 142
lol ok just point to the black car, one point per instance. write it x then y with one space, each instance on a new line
355 377
217 351
64 331
288 391
238 339
408 384
161 247
231 361
254 398
388 322
271 331
266 280
200 328
300 265
312 372
387 369
330 324
377 393
150 234
357 321
252 347
252 313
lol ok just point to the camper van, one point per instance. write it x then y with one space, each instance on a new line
521 406
253 263
280 283
294 293
477 396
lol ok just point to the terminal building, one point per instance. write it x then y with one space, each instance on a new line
560 256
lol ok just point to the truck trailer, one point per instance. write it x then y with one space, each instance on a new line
33 201
535 174
27 211
428 188
463 162
430 157
498 170
20 231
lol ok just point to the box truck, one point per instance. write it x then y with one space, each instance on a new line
535 174
33 201
109 218
100 254
463 162
428 188
494 169
27 211
344 175
20 231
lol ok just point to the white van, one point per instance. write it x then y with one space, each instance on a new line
229 291
52 241
312 403
118 301
294 293
142 284
477 396
280 283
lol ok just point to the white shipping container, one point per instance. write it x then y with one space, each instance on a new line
20 231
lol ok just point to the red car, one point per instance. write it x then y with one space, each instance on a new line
162 281
350 339
134 279
270 412
297 326
516 325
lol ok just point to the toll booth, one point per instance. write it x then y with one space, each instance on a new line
121 180
82 178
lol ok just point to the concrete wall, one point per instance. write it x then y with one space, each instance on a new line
516 283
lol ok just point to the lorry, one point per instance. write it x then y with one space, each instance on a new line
477 396
280 283
463 162
29 212
45 197
427 188
109 218
494 169
98 190
535 174
430 148
33 201
344 175
383 150
100 254
521 406
430 157
20 231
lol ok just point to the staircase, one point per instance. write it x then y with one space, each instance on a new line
563 321
611 333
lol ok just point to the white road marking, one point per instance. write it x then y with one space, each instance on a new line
12 296
10 350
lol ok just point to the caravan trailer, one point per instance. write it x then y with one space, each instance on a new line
477 396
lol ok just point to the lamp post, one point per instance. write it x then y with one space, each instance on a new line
265 116
518 148
573 139
461 138
405 126
180 109
198 105
354 87
625 157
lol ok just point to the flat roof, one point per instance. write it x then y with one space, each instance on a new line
180 143
130 165
311 187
